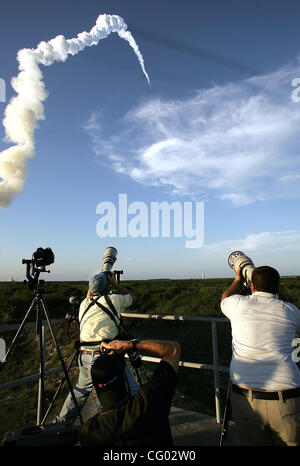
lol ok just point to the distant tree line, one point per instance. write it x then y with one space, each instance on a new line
181 297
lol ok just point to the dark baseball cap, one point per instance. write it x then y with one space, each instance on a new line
109 380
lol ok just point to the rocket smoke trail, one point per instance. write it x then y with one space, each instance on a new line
24 110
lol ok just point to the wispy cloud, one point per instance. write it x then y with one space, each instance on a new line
259 243
279 249
236 142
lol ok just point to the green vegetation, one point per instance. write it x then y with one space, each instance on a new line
195 388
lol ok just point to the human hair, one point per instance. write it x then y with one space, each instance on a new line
266 279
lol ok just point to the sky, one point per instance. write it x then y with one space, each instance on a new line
215 128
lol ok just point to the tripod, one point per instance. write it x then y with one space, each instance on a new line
40 306
224 427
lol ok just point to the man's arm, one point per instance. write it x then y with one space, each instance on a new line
235 285
120 289
168 351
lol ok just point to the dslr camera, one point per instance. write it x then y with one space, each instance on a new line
40 259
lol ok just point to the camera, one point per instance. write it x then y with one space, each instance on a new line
40 259
135 358
133 355
48 435
238 259
75 305
109 258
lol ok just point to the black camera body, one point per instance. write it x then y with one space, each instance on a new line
43 257
135 358
48 435
40 259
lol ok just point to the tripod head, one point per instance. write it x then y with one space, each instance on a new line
40 259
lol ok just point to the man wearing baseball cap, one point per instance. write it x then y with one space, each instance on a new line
141 420
100 319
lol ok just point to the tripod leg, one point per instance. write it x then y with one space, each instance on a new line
60 356
18 332
41 395
58 389
226 415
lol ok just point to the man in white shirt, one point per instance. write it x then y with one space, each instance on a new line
265 396
99 319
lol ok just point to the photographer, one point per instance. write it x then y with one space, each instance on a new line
100 319
265 396
140 420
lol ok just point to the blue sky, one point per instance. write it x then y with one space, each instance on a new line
217 125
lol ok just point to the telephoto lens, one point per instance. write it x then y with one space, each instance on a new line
239 259
109 258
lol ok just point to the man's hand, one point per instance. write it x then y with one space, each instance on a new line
111 278
116 346
169 351
239 276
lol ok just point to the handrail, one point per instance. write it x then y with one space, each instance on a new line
215 367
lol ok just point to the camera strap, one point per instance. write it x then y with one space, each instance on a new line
112 307
112 314
86 310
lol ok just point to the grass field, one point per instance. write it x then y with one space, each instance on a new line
195 388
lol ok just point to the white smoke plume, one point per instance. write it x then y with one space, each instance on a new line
26 108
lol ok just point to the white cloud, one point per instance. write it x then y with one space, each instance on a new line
264 242
93 122
277 249
236 142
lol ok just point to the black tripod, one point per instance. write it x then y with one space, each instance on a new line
39 304
225 420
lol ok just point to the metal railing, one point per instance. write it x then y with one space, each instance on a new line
215 367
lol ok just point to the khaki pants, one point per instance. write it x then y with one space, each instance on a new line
266 422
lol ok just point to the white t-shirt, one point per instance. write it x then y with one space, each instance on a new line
263 329
96 324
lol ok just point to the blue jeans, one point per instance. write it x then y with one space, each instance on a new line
84 386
